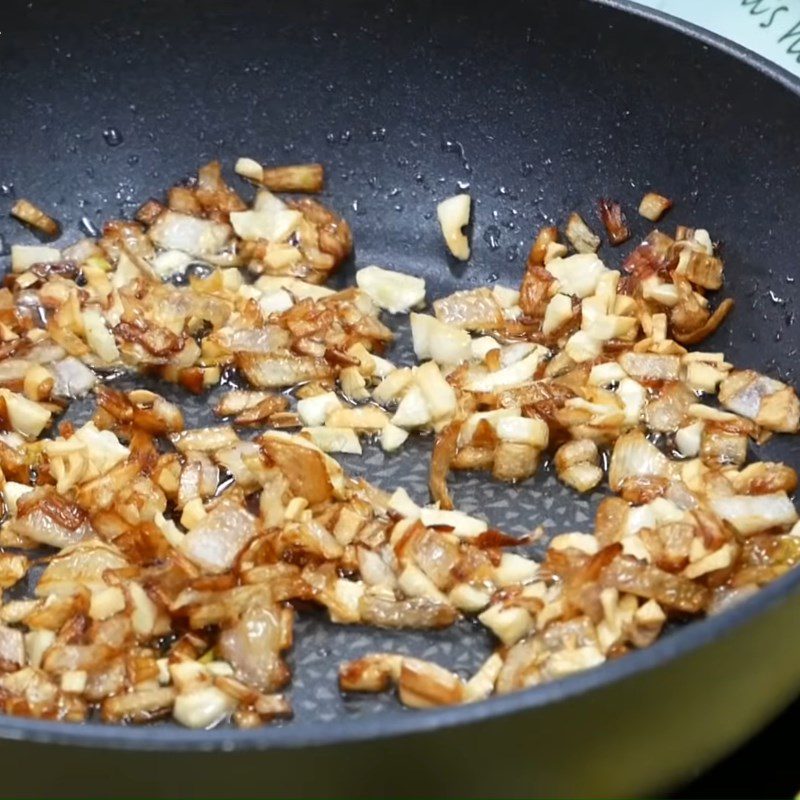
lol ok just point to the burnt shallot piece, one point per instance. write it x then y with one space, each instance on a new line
179 556
614 221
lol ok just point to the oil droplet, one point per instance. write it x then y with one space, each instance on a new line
779 301
113 137
133 160
377 134
454 146
88 227
492 236
342 138
6 189
198 269
512 253
527 169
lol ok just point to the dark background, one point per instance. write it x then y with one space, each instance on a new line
764 767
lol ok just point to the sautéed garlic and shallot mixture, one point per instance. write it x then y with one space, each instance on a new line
174 559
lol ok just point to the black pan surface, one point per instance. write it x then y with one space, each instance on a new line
538 107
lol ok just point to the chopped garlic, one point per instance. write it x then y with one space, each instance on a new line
453 215
382 366
751 514
506 298
393 291
415 583
606 374
24 256
12 492
435 340
313 411
703 377
558 311
467 430
270 219
392 386
688 439
582 347
367 417
481 684
392 437
508 624
353 384
664 293
439 395
403 504
105 450
513 569
193 514
275 302
633 396
469 598
718 559
527 430
99 337
585 542
26 417
578 274
249 168
170 262
413 411
106 603
203 708
461 523
483 345
300 290
334 440
512 375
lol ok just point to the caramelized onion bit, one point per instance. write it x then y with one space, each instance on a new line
653 206
614 221
32 215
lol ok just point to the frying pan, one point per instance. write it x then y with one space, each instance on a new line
540 107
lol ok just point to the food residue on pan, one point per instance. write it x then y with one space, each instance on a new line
172 557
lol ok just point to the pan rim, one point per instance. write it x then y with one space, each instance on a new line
403 723
755 60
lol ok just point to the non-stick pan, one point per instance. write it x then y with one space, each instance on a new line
540 107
